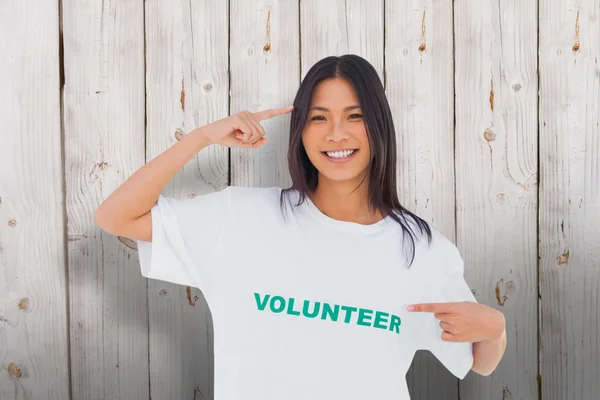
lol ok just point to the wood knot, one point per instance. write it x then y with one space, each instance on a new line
179 134
502 289
516 87
132 244
506 392
563 258
182 96
14 371
12 222
207 87
192 303
24 304
489 135
198 393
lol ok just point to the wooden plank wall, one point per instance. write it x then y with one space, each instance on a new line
34 359
264 71
497 178
495 106
569 116
103 123
187 85
419 85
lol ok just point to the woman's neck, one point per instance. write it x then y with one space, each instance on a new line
344 201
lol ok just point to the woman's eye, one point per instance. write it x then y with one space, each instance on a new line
321 118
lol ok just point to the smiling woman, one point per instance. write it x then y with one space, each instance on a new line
337 247
335 132
342 149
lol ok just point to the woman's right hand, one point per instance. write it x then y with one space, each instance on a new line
242 129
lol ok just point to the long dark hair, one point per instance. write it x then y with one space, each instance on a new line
380 131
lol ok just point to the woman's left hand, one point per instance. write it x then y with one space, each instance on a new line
465 321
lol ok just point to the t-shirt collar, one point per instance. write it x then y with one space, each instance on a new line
347 226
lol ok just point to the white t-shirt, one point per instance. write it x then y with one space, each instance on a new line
306 307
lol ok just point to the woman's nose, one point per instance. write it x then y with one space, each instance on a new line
337 133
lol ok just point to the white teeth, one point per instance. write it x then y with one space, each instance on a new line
340 154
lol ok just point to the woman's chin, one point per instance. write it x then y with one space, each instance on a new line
342 176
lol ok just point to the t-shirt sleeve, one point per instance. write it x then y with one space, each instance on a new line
185 234
457 357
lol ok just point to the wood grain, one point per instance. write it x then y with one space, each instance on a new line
496 180
264 74
77 319
187 86
340 27
103 145
419 85
569 51
34 360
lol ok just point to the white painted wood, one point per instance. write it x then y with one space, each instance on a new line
419 75
339 27
133 338
496 179
265 73
569 52
33 304
103 145
187 86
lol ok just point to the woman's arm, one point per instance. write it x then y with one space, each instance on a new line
488 353
468 321
127 210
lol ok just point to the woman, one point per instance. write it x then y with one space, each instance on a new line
324 290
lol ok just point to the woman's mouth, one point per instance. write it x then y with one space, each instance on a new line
340 156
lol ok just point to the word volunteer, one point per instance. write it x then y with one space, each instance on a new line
350 314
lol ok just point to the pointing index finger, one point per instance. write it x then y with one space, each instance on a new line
273 112
430 307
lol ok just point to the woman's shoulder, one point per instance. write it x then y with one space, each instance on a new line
419 227
439 255
438 238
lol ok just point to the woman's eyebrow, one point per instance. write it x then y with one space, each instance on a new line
326 109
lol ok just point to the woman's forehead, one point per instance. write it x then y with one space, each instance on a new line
334 93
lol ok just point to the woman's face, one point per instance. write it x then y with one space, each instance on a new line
335 136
